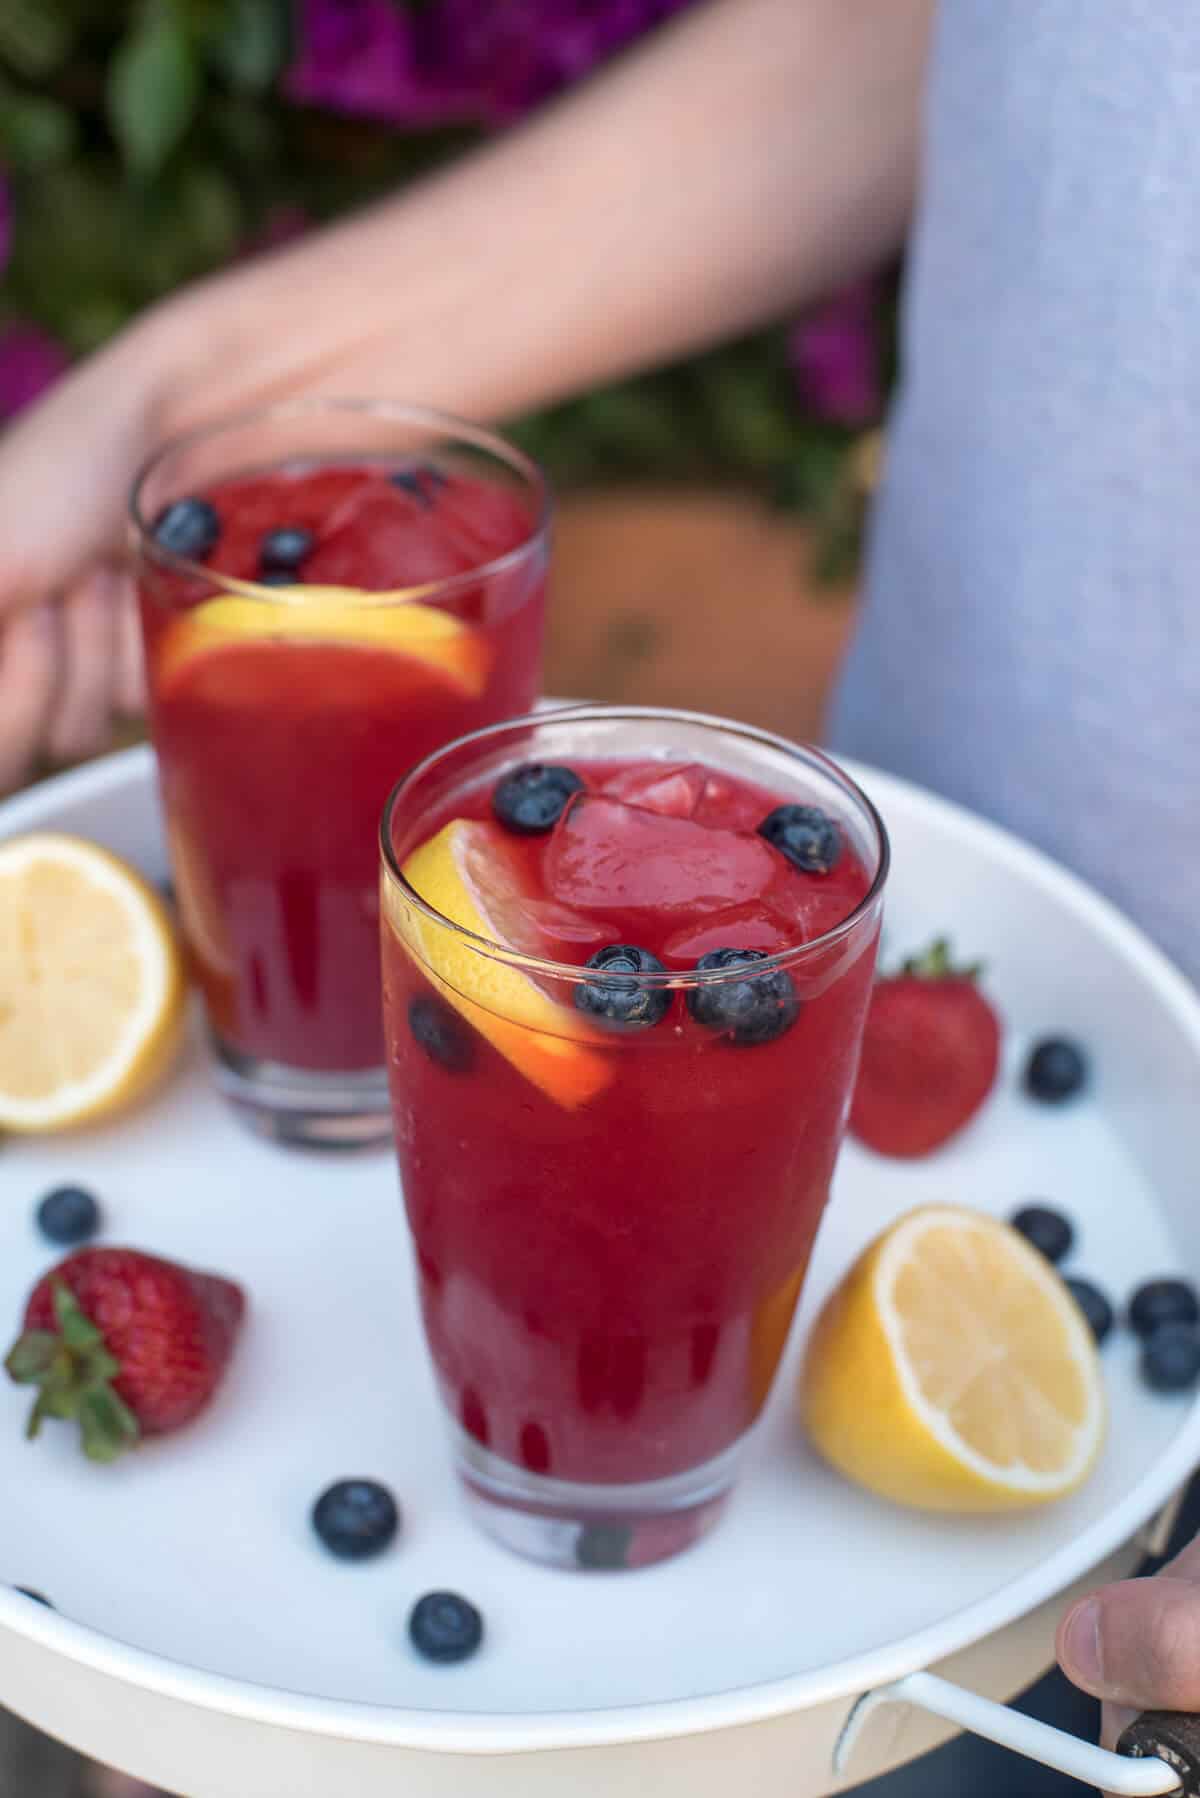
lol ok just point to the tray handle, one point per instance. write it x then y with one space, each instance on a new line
1129 1778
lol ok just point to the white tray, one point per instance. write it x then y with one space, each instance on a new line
201 1636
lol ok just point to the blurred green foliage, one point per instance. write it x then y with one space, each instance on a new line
148 141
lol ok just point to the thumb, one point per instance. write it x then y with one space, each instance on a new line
1137 1643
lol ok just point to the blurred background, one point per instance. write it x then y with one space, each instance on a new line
144 143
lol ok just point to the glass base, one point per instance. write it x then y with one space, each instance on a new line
586 1528
303 1109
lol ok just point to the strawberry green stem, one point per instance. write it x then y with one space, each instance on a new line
937 963
73 1373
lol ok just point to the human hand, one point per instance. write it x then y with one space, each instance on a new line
70 656
1136 1644
69 667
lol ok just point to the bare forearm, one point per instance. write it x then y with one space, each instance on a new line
748 158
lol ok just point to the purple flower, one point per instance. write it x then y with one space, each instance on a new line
456 61
360 56
834 353
517 54
30 360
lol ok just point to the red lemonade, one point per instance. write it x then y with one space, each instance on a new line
284 700
614 1172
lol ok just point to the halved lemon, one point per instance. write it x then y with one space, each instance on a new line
436 639
466 873
952 1370
91 984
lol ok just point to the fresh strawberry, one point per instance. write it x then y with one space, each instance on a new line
125 1344
930 1053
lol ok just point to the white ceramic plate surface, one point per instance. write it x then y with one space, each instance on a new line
191 1570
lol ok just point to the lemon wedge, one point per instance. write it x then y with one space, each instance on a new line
952 1370
425 634
91 984
466 873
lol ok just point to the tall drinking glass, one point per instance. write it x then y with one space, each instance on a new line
627 955
329 591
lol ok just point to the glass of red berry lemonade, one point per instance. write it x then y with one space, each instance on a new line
627 955
329 591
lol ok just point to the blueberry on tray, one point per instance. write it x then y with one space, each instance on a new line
1163 1302
68 1216
1057 1069
1171 1357
356 1519
445 1627
1049 1232
1095 1307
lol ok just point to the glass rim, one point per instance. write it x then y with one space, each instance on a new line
446 424
573 972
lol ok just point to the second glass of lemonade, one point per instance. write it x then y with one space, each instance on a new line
627 958
329 591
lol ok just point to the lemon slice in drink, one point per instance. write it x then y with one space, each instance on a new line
438 640
91 984
466 873
953 1371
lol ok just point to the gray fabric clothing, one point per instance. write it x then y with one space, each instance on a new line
1030 644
